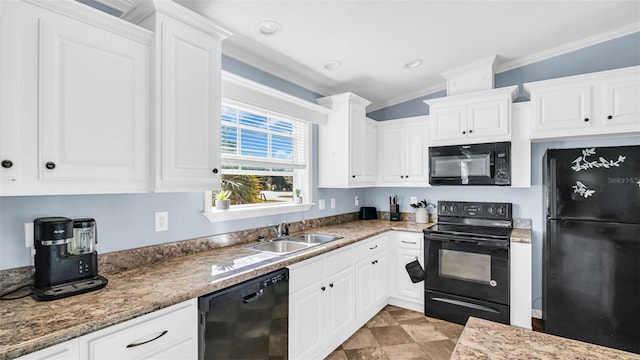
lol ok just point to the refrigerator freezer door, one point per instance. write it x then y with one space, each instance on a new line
593 184
591 282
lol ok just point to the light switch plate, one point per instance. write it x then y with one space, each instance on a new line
28 235
357 201
321 204
333 203
414 199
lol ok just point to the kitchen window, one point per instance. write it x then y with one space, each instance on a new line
265 150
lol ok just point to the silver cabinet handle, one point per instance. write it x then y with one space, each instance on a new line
409 242
148 341
373 247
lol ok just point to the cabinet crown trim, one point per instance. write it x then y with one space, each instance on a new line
328 101
148 8
510 91
583 78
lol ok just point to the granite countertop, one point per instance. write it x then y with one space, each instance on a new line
29 326
483 339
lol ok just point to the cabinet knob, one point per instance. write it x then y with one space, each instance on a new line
406 176
586 119
401 176
464 132
610 117
323 288
331 285
215 171
7 164
50 165
470 131
353 176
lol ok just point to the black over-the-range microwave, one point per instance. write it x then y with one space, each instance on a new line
473 164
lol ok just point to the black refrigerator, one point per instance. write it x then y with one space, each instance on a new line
591 245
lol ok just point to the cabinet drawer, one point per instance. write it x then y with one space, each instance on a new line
148 337
410 241
370 247
339 260
301 276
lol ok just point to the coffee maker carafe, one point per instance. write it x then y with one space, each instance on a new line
66 262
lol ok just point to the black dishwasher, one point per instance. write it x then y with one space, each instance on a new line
246 321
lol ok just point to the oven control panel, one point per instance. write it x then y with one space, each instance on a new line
475 209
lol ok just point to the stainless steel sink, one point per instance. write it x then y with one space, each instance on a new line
289 244
312 238
279 247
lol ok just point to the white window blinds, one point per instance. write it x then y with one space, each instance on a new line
254 138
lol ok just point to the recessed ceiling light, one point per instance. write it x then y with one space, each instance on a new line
413 64
269 28
332 64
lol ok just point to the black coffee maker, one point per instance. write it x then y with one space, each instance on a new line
66 262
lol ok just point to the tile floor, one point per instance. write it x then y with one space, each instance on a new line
396 333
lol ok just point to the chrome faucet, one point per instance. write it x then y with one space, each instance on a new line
281 230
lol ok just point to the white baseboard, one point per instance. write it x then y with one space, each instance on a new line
535 313
405 304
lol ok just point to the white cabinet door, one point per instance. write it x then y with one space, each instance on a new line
564 108
405 288
407 248
74 98
365 278
381 279
621 107
93 122
306 321
188 127
416 154
449 123
404 152
340 301
370 151
392 154
489 120
357 144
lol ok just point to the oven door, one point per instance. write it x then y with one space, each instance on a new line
467 268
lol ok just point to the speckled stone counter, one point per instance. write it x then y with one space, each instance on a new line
483 339
28 325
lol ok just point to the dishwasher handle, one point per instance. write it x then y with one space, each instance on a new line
252 297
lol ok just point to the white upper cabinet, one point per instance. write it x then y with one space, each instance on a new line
403 152
483 116
346 146
75 109
186 122
586 105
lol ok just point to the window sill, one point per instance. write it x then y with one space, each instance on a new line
254 211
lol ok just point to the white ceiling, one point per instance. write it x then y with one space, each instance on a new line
374 39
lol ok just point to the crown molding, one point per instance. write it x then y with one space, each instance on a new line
293 72
567 48
408 97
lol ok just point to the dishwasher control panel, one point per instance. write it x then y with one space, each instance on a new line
274 280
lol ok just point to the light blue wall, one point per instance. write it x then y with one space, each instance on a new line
126 221
617 53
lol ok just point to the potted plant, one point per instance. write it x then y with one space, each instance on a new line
422 214
222 199
297 199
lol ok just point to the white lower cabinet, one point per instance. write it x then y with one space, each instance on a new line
372 268
405 293
68 350
170 333
520 284
321 304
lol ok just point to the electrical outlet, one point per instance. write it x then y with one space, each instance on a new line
414 199
333 203
321 204
28 235
357 201
162 221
